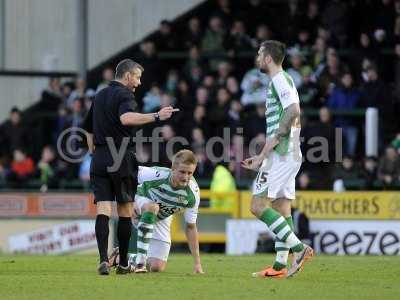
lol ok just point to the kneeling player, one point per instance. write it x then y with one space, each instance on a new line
161 193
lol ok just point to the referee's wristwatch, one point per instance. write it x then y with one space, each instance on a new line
156 117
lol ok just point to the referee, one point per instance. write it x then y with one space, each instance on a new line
113 170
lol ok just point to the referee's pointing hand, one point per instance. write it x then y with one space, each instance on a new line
166 112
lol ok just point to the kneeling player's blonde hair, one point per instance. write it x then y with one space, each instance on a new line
185 156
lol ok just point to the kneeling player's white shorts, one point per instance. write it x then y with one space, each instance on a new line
159 249
160 243
276 177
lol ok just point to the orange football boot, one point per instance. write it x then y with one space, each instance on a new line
271 273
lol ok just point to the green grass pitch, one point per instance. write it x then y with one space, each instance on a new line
227 277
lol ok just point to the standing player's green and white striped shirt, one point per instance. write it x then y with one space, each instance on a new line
281 93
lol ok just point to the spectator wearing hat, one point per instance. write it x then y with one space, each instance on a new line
295 71
308 91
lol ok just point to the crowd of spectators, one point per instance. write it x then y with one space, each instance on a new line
342 56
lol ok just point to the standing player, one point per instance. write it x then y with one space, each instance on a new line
161 193
278 163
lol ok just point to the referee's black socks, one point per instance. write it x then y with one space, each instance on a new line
124 235
102 232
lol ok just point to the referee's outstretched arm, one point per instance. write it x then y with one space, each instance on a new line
134 119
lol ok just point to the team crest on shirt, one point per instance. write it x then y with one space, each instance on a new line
182 199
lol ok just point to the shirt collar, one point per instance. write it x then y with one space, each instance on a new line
116 83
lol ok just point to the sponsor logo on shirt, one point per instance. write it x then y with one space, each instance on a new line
285 94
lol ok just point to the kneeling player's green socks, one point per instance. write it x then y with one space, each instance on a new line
278 225
144 234
282 251
132 258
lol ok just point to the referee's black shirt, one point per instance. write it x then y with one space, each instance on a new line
103 119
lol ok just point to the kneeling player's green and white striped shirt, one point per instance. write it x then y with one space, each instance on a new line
155 184
281 93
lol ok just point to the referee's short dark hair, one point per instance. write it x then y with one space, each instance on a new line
126 65
276 49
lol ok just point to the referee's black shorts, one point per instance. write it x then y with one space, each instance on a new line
117 186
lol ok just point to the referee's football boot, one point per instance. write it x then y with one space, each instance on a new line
299 259
124 270
103 268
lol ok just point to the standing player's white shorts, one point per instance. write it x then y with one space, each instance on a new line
160 243
276 177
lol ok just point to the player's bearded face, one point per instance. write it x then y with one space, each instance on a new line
261 61
182 173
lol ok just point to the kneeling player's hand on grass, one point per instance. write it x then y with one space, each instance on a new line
198 269
166 112
252 163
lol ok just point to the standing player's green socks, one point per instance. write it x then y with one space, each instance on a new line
282 251
144 234
278 225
